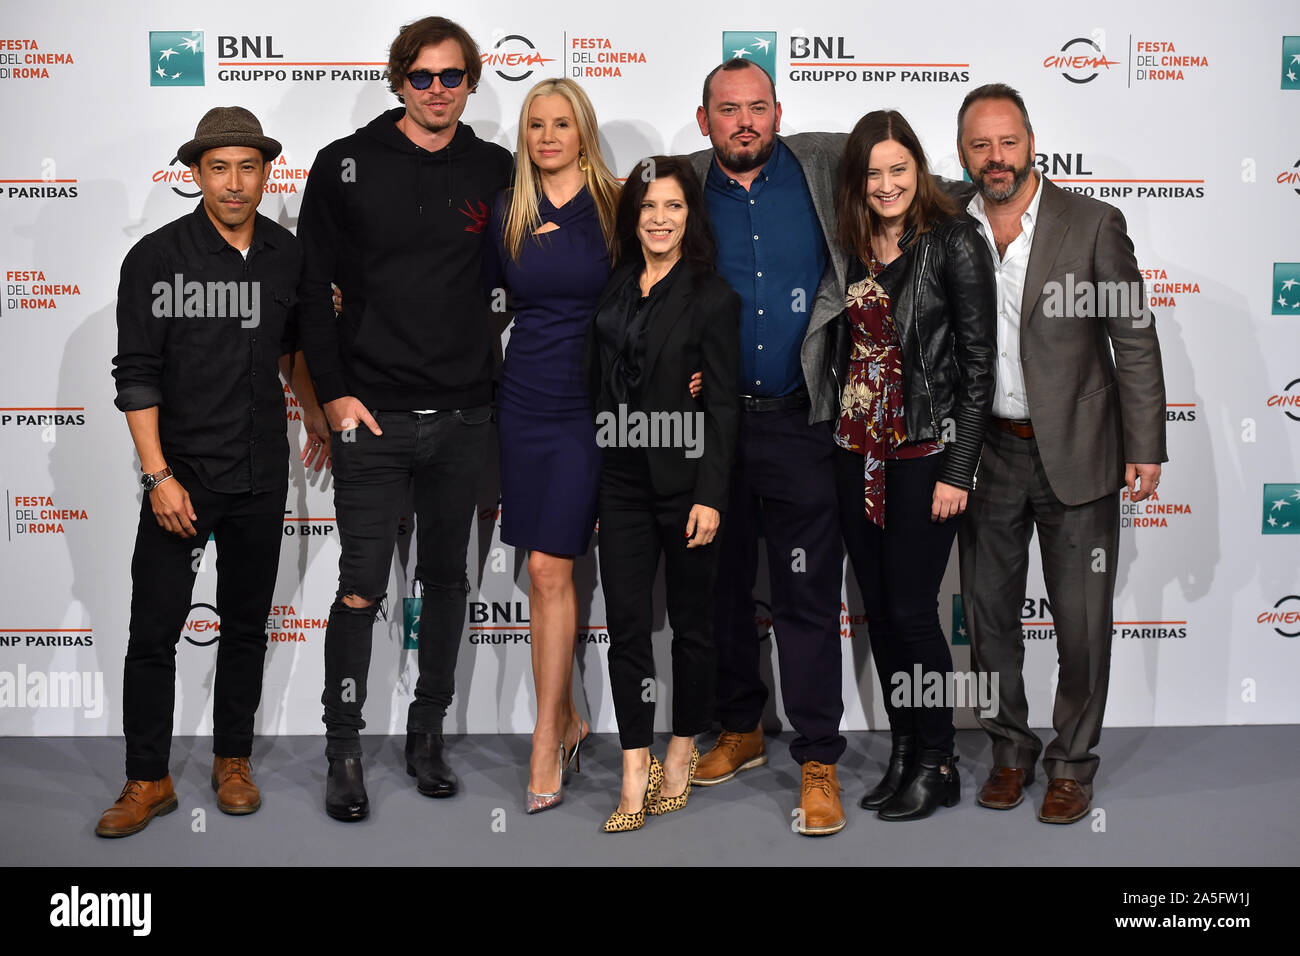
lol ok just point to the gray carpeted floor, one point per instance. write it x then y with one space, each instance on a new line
1171 797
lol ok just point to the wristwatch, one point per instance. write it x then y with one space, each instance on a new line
150 482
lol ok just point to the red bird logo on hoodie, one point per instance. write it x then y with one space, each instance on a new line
478 217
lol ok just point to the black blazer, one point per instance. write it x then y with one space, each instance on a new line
696 328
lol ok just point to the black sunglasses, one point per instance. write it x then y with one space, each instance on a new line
423 79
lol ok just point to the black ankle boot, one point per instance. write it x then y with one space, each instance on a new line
424 762
926 789
902 760
345 790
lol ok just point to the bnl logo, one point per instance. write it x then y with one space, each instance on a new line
175 57
959 633
756 45
1286 288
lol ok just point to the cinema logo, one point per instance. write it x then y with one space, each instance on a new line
29 289
599 57
1080 60
11 637
253 59
302 526
25 60
827 59
1283 616
283 178
208 300
1287 399
202 625
1150 512
1157 60
21 689
1291 177
285 626
1077 178
1164 291
514 58
128 910
34 515
850 623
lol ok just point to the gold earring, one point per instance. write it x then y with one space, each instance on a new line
583 163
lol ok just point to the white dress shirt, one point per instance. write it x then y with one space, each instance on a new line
1009 398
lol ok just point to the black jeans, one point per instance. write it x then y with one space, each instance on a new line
899 569
439 455
248 530
784 484
636 526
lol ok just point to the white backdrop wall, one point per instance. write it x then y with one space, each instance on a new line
1182 117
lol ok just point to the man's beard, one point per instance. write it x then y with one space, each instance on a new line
745 162
1002 193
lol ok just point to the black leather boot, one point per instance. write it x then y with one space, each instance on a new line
424 762
345 790
927 788
902 760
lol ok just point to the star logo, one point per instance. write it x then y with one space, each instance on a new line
1286 297
757 46
1291 63
176 58
1281 509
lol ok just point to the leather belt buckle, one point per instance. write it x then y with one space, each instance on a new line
1021 429
759 403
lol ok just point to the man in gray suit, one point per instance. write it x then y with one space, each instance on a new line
1079 413
771 200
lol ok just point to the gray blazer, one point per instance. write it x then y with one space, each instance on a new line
819 157
1092 413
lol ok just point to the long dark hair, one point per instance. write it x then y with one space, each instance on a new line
698 247
857 221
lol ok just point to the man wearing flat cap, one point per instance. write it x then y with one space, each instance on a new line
206 326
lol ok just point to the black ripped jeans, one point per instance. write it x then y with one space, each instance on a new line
438 456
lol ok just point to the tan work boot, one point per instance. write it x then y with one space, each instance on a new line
731 754
820 810
232 778
140 802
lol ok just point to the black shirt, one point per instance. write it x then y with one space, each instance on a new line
200 330
621 330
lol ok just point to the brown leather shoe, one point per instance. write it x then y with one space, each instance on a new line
1004 789
232 778
820 810
731 754
140 802
1065 802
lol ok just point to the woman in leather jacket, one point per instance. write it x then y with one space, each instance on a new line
914 358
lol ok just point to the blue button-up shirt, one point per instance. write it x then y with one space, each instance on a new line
772 251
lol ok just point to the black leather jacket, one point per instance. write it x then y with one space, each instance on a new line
943 298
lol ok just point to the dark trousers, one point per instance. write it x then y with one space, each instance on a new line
783 482
248 529
437 456
1078 544
636 527
899 569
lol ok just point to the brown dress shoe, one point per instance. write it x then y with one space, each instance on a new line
232 778
731 754
1065 802
140 802
1004 788
820 810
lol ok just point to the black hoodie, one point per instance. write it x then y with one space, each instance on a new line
401 231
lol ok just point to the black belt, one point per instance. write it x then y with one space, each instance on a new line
758 403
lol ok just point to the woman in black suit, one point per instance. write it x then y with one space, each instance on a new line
667 464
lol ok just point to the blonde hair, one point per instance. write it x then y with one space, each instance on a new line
522 216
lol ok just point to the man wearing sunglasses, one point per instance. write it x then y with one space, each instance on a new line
394 215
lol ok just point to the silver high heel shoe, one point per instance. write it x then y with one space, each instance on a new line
537 802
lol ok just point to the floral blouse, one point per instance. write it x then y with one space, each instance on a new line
872 420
